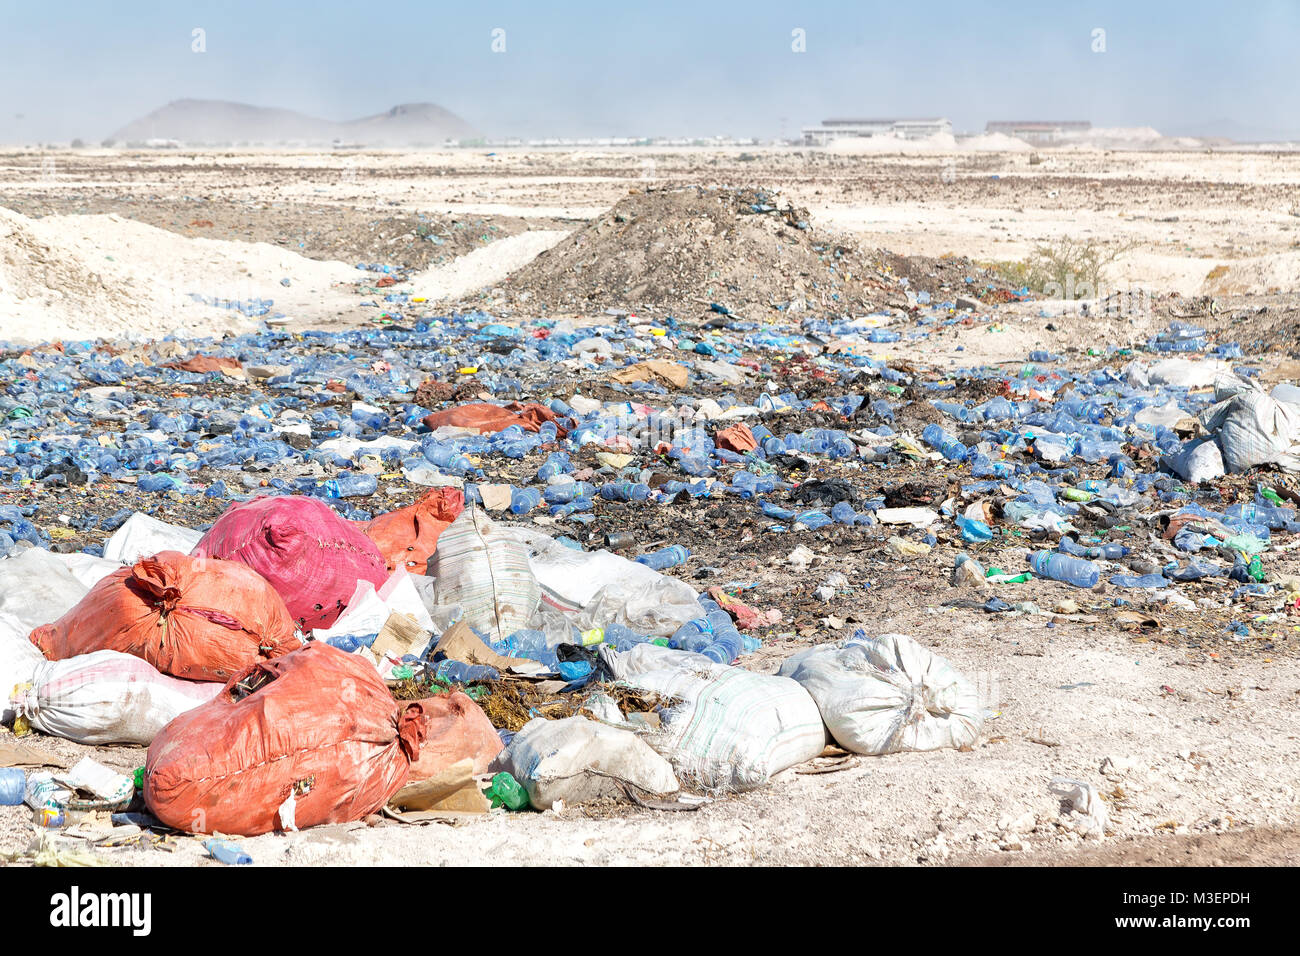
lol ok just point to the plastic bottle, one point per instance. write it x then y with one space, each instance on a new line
54 818
1139 580
232 854
13 786
505 791
944 443
692 636
1061 567
624 491
524 500
665 558
351 486
531 644
968 572
458 672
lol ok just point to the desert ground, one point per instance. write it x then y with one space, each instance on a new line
1187 728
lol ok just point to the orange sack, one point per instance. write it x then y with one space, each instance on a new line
455 728
317 724
408 536
737 438
485 417
196 618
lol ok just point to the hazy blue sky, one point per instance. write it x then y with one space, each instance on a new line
592 68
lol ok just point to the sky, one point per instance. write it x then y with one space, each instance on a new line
671 68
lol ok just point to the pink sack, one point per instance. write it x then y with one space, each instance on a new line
311 556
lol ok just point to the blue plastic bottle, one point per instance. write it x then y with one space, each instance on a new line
944 443
665 558
13 783
1063 568
524 500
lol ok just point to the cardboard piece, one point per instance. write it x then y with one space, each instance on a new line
14 754
400 635
670 373
495 497
460 643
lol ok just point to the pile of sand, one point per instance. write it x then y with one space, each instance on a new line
86 277
484 267
678 250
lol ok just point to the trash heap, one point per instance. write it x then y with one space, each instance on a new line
408 583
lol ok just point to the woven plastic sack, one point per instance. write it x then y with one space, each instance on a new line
1253 429
408 536
36 587
888 694
309 738
577 760
18 661
455 729
485 570
197 618
106 698
729 728
311 556
1198 461
143 535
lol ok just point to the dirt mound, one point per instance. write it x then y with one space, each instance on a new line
678 250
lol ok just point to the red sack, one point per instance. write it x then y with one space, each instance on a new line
311 556
737 438
196 618
455 728
408 536
494 418
317 724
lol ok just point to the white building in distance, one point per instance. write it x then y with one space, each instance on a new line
832 129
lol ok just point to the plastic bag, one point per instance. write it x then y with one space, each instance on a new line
1082 806
142 536
106 698
599 588
888 694
576 760
36 588
311 556
729 729
197 618
368 609
308 738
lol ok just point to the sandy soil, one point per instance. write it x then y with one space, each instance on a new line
1198 728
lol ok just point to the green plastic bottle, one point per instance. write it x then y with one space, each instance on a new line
505 791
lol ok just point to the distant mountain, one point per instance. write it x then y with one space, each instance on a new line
411 124
220 123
